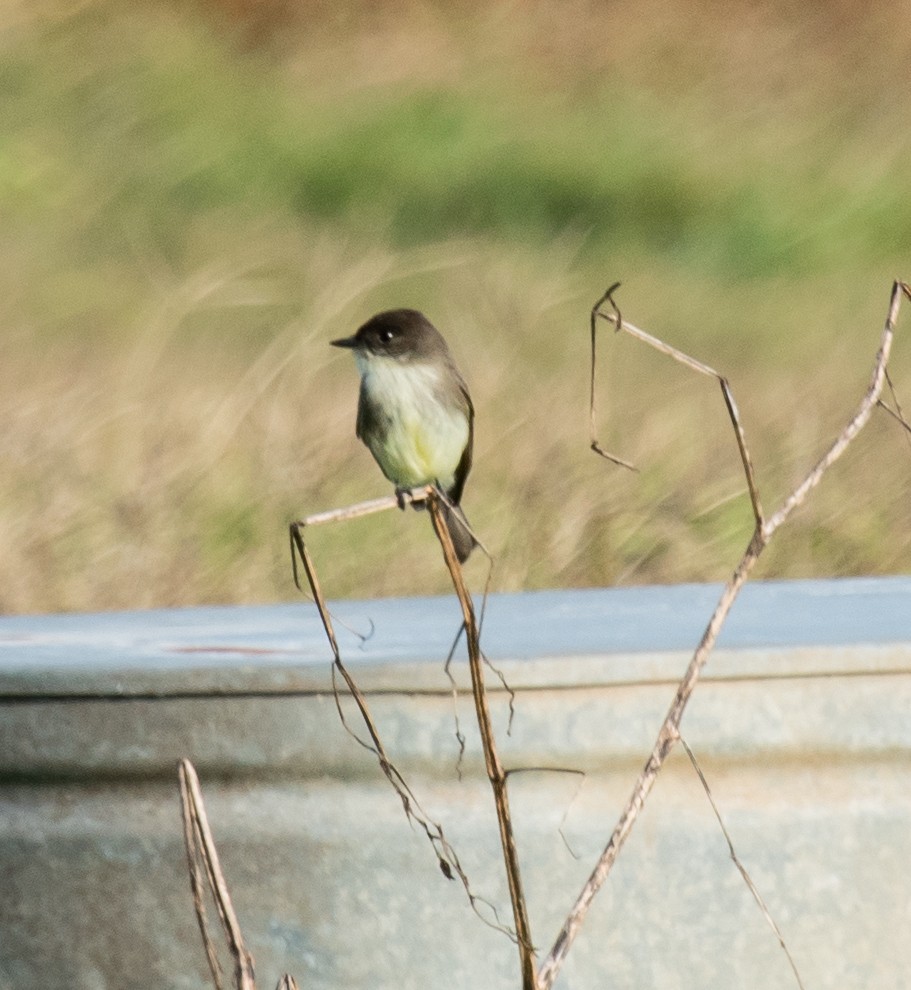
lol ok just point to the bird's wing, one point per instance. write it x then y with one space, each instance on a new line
464 465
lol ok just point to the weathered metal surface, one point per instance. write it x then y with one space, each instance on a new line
802 725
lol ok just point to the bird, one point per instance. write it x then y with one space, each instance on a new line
414 411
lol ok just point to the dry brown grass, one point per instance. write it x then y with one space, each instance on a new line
165 474
166 411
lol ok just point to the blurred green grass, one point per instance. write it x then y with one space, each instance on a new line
195 199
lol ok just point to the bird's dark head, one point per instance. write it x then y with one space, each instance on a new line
404 334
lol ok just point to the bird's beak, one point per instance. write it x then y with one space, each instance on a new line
344 342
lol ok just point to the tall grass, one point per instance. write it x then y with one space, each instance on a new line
194 204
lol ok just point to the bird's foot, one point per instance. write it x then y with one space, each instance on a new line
411 496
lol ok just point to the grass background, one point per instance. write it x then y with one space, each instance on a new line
196 197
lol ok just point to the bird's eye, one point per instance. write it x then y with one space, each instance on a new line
386 335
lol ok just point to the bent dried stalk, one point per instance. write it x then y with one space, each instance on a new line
202 855
495 772
762 534
447 859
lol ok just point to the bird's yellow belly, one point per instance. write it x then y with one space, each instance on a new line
421 450
423 438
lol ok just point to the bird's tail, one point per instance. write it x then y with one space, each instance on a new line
459 530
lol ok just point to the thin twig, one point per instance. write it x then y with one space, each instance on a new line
898 412
201 846
447 859
357 510
857 421
454 694
898 416
191 843
592 429
616 320
495 772
570 770
669 731
747 879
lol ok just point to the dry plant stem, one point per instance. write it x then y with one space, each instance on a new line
192 843
897 413
747 879
593 440
669 732
446 855
354 511
201 846
495 772
376 743
684 359
298 544
898 417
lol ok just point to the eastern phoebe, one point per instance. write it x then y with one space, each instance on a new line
414 412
